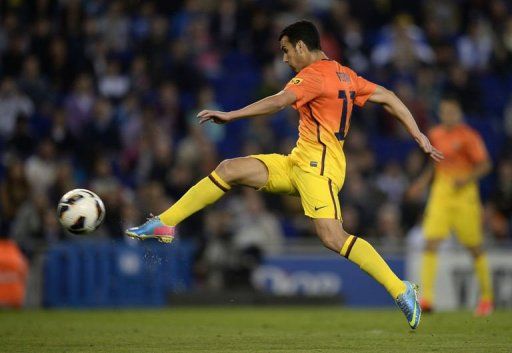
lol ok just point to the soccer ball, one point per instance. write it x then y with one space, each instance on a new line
80 211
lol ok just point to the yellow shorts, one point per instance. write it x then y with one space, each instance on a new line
318 194
458 212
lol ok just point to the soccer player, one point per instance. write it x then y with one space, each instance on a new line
454 200
324 93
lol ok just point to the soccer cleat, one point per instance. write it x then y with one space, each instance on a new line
484 308
408 303
153 228
426 306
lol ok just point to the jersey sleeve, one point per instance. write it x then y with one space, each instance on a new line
306 86
475 147
364 90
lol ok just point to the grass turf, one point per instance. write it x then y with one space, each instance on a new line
250 329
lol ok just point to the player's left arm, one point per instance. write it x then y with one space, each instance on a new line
393 105
480 170
482 165
265 106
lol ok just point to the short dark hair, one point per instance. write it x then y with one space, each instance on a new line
305 31
450 96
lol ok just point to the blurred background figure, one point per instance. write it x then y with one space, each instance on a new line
13 274
454 204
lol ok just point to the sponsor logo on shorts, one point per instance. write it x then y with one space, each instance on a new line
319 208
313 164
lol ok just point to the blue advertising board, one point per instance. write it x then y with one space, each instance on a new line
326 275
109 273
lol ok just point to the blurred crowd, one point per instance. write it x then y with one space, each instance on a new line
103 95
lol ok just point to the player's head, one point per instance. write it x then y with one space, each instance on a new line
450 111
298 40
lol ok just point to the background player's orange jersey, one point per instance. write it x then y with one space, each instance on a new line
462 147
326 93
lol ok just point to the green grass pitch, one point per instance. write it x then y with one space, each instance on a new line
250 329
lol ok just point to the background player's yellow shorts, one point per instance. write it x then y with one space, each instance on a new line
318 194
458 212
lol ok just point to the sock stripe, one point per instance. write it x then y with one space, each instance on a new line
212 178
350 245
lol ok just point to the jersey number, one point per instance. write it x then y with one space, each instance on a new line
340 135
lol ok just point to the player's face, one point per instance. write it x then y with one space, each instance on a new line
290 54
450 113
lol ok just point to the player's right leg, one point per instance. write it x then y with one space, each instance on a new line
363 254
429 273
245 171
437 225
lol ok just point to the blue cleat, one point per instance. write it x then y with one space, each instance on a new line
153 228
408 303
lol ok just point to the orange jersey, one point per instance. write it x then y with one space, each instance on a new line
462 147
326 93
13 274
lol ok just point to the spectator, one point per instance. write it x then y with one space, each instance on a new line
21 141
499 208
475 47
389 228
14 191
32 83
41 168
256 227
402 45
392 182
27 228
79 104
113 84
12 104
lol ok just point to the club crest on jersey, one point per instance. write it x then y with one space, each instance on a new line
343 77
296 81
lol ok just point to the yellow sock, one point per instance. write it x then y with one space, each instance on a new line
428 275
205 192
484 277
360 252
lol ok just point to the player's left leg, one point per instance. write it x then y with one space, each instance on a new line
469 232
319 198
359 251
363 254
486 304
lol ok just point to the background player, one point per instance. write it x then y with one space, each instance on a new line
454 200
324 93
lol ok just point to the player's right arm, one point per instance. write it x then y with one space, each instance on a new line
418 186
265 106
393 105
300 90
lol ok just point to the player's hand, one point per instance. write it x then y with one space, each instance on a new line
427 147
460 183
216 116
414 192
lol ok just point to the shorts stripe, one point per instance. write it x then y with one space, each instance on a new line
324 147
333 200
